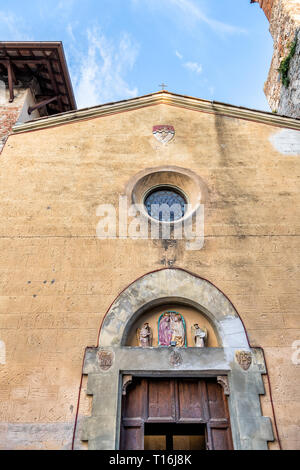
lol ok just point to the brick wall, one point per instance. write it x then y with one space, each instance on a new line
10 113
8 117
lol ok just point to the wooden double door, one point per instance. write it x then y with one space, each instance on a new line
175 414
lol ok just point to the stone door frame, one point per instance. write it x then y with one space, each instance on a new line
238 366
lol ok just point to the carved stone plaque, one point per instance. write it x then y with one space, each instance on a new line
105 359
175 359
244 358
163 133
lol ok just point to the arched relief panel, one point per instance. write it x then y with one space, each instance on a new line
190 315
172 286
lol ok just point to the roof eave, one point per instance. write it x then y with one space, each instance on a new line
58 46
161 97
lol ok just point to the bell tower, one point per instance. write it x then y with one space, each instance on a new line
34 82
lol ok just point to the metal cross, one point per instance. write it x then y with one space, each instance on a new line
163 85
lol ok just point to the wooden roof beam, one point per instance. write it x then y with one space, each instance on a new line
54 84
10 75
41 104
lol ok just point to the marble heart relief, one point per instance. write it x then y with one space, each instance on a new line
163 133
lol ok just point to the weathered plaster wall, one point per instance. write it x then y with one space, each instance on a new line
57 279
284 17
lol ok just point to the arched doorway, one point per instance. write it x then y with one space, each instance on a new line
175 413
115 365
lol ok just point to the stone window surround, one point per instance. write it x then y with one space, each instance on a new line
183 180
250 430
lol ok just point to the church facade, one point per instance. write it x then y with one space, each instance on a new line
149 273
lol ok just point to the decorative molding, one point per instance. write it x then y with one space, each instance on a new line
175 359
161 97
223 381
127 380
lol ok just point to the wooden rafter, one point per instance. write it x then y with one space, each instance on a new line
10 80
46 62
41 104
54 84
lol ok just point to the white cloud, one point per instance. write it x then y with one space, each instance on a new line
194 67
190 8
100 77
70 31
12 27
191 12
65 6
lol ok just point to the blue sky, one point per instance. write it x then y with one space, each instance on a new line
117 49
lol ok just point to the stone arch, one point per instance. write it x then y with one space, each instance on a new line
173 285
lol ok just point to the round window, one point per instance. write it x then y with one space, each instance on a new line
165 204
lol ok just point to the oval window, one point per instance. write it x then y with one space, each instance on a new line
165 204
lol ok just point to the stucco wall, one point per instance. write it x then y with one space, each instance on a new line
57 279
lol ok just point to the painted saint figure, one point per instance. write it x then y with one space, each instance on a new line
145 336
171 330
178 333
199 335
165 333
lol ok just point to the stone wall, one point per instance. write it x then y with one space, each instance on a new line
289 102
266 5
284 17
57 279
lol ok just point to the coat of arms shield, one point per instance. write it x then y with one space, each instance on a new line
105 359
163 133
244 359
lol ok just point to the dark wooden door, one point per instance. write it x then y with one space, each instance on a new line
173 404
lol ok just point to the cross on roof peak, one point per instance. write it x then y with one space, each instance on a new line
163 86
